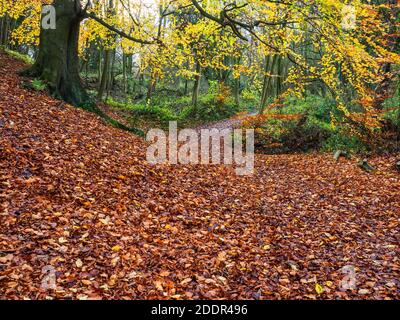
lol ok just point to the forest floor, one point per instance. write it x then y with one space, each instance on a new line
78 197
230 123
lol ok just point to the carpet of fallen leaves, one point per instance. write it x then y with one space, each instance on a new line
78 195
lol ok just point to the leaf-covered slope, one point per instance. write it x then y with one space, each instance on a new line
78 195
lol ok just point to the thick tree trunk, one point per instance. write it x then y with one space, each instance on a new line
57 62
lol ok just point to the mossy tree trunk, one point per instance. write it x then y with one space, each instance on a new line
57 62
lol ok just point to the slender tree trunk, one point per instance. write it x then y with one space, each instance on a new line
279 76
264 92
383 88
129 72
99 67
185 91
124 72
13 23
2 29
6 28
149 88
237 91
196 86
110 83
236 86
